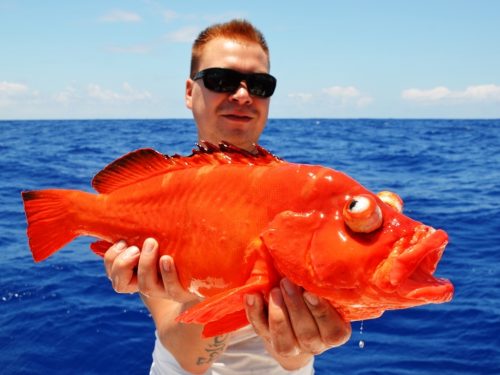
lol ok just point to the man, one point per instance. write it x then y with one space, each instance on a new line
228 92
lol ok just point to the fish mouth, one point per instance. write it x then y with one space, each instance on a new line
409 270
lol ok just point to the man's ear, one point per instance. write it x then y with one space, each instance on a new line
189 93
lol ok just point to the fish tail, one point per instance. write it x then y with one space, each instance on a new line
49 220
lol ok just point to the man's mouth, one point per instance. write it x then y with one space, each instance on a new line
237 117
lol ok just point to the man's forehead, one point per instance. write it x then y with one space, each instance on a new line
227 51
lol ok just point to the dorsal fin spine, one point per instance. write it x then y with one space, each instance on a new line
145 163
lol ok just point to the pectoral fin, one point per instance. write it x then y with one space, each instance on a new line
225 312
288 240
229 323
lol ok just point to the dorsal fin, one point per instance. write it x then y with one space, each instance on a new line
133 167
145 163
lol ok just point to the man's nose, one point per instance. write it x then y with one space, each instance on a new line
241 95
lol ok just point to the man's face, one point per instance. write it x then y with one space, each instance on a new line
237 118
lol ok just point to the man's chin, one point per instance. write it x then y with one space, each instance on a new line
239 139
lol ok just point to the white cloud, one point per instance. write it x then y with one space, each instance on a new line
95 92
342 92
347 96
436 93
69 94
128 94
12 88
184 35
301 96
482 92
364 101
18 100
121 16
334 97
488 92
13 92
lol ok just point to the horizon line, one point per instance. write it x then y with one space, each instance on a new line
269 119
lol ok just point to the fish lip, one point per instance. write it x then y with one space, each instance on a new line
420 262
410 273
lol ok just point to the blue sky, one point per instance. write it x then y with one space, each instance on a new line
335 59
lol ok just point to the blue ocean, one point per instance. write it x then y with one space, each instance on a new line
61 316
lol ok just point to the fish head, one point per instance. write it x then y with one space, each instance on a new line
393 264
360 249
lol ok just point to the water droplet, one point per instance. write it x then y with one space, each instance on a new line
361 343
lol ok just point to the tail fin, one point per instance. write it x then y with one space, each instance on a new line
49 221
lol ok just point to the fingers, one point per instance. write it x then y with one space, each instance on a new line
273 325
158 278
170 283
316 324
148 277
257 315
283 339
120 262
132 270
296 322
334 330
303 323
111 254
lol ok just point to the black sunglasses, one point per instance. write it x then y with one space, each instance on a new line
228 80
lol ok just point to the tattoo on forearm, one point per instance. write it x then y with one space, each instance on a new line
213 350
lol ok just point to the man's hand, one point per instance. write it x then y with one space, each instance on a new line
297 322
132 270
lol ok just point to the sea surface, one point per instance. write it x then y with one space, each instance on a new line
61 316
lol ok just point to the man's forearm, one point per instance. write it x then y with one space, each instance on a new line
193 353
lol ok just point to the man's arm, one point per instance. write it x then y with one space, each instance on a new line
295 326
184 341
165 299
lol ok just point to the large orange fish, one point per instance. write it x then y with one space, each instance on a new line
236 223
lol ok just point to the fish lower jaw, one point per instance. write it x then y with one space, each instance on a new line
440 292
422 285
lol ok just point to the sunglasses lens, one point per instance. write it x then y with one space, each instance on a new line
221 80
262 85
228 80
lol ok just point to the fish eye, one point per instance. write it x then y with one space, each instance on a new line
362 214
392 199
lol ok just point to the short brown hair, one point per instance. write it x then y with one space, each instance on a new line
240 30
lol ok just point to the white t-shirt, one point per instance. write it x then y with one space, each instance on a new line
245 354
